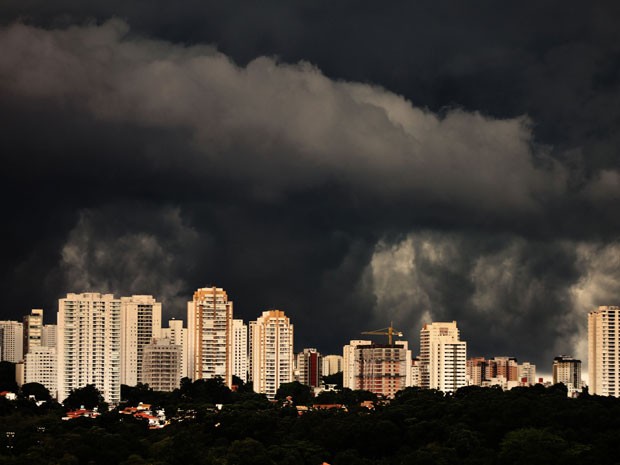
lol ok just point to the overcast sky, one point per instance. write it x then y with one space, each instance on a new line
350 163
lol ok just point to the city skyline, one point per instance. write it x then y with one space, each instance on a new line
360 164
145 311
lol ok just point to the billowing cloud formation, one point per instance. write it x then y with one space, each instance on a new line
505 292
258 122
142 166
115 252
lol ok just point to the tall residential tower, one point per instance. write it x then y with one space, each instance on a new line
271 346
210 338
33 330
604 351
140 323
442 357
89 344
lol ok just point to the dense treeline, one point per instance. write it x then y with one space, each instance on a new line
473 426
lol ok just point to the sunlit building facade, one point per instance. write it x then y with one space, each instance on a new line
309 368
89 344
12 341
331 364
161 365
33 330
178 335
40 367
604 351
271 347
140 323
210 338
240 350
442 357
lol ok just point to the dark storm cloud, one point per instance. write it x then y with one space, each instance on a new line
267 119
152 167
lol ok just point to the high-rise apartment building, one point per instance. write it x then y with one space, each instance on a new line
503 367
89 344
40 367
161 365
349 368
527 373
567 370
48 336
271 348
178 335
309 368
12 341
140 323
415 372
442 357
33 330
476 371
240 350
331 364
210 338
604 351
383 369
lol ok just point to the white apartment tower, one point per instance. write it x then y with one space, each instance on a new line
89 344
331 364
271 347
210 339
12 341
604 351
567 370
140 323
240 350
527 373
161 365
33 330
48 336
178 335
349 369
40 367
442 357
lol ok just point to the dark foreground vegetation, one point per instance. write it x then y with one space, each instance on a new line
474 426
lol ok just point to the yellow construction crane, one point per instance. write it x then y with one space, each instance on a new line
390 332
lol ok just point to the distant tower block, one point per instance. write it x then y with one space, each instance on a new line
272 352
604 351
161 368
140 323
89 344
210 338
442 357
33 330
309 367
240 350
567 370
332 364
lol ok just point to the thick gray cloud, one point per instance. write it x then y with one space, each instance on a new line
510 296
266 119
137 165
117 250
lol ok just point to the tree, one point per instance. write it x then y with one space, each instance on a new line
299 392
87 396
336 379
212 391
533 445
37 390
